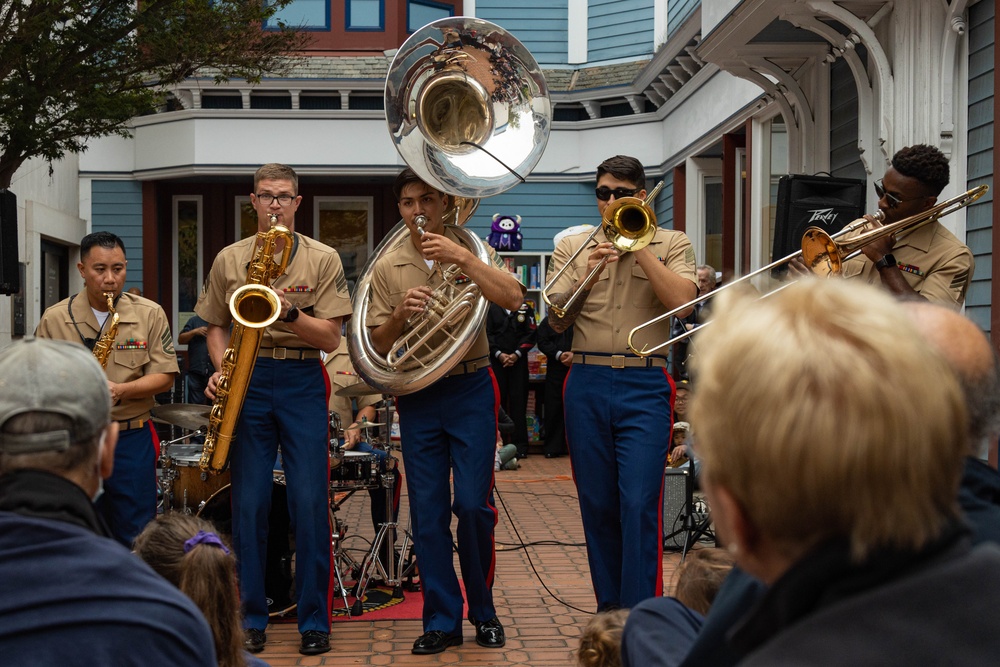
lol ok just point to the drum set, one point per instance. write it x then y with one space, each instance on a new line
185 487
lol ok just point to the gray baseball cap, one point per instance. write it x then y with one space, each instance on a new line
43 375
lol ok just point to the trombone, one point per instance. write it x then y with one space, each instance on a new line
629 223
823 254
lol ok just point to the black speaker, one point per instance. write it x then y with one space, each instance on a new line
677 492
10 276
814 201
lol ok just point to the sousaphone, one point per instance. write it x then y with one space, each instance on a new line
468 110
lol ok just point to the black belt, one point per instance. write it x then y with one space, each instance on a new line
463 367
131 424
618 360
296 353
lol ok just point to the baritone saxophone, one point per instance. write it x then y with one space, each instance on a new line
254 307
104 344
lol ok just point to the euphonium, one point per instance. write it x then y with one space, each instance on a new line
254 307
104 344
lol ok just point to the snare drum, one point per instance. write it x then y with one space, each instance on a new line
357 470
191 486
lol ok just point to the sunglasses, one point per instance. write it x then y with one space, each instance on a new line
893 200
604 193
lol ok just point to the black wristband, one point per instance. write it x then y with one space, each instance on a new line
886 261
293 314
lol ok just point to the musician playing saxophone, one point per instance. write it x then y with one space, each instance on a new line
286 402
140 363
437 443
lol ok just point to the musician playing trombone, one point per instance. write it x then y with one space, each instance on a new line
449 427
621 404
928 262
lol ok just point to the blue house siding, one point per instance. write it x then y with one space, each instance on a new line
541 26
979 216
116 207
663 205
678 11
545 209
619 29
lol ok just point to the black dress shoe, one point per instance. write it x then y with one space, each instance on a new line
435 641
314 642
254 640
489 633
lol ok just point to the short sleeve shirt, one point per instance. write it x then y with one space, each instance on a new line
342 374
933 261
313 281
623 297
143 345
403 267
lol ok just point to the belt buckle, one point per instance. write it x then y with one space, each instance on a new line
617 361
279 353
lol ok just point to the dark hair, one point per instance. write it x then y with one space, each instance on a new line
106 240
81 454
624 168
701 575
205 573
407 177
925 163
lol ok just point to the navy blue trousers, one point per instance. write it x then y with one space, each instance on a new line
129 499
618 431
285 403
449 430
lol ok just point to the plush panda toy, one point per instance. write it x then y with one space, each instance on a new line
504 233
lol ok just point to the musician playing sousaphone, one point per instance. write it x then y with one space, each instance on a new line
448 427
130 336
928 262
285 401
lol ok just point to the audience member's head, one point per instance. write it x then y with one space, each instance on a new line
823 451
186 551
601 640
968 351
682 400
55 412
680 433
700 576
706 279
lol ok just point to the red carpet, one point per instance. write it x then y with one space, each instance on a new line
379 605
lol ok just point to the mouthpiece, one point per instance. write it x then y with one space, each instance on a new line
273 219
420 221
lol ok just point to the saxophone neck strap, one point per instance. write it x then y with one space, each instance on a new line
88 343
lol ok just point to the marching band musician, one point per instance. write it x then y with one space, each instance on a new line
342 375
929 262
286 402
140 364
621 404
449 427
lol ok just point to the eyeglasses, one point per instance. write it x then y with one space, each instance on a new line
283 200
604 193
893 200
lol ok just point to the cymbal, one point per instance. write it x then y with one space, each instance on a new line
185 415
364 424
357 389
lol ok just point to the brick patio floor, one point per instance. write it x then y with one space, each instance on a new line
535 591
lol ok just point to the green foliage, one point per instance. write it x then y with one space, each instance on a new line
75 69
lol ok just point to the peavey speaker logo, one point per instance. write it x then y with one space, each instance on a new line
825 215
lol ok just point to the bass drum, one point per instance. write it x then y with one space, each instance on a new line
279 572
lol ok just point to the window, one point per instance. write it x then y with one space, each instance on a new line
345 224
246 217
365 15
421 12
187 214
302 14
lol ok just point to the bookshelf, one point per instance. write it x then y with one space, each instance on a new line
530 268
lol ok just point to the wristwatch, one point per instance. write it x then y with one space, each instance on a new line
293 314
886 261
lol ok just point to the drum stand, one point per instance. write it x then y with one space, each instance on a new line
166 473
386 535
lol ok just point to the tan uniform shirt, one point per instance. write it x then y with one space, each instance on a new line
403 267
313 280
933 261
341 372
623 297
143 345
